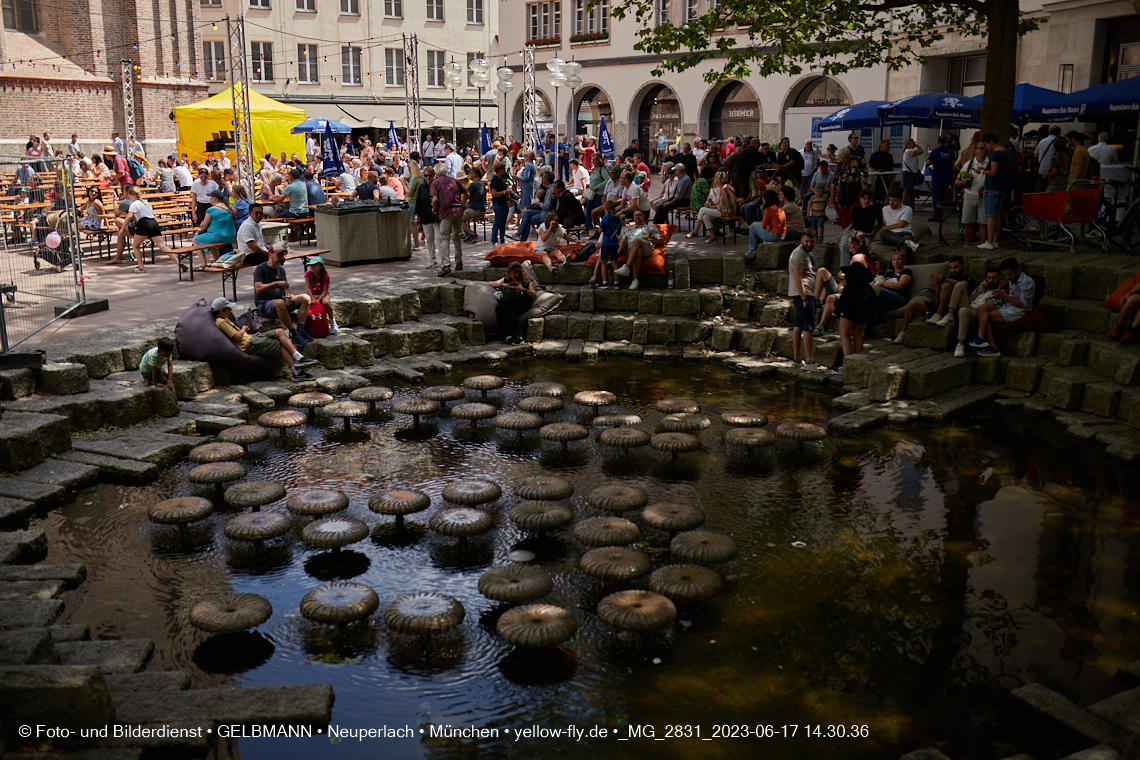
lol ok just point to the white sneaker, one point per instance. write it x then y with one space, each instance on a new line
987 246
946 321
623 271
959 351
512 236
633 285
911 244
900 338
334 329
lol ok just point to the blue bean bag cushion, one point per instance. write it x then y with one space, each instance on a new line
199 339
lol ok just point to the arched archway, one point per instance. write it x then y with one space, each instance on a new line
655 116
591 103
732 110
809 100
542 115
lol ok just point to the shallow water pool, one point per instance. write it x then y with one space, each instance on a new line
891 588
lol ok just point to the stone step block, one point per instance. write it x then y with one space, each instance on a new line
237 411
1100 274
1066 386
1099 752
1129 674
168 680
1102 399
554 326
1019 344
776 314
15 511
30 589
273 390
679 268
885 375
712 301
723 338
649 301
619 327
304 705
743 308
1074 724
70 475
1121 443
938 375
705 267
956 401
158 448
27 646
597 328
1024 374
692 330
586 299
29 613
101 362
428 293
451 298
113 469
859 420
60 695
1049 344
774 255
606 299
40 494
63 378
328 351
191 378
534 330
17 383
339 381
680 302
71 575
1073 353
1087 316
126 656
551 349
851 401
735 269
413 338
27 438
470 331
929 335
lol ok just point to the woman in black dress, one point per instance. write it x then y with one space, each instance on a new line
516 296
858 304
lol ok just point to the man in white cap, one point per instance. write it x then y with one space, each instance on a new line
260 345
452 160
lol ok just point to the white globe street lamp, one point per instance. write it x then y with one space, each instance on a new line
556 79
453 80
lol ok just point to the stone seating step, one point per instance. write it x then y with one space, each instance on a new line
157 448
30 589
33 613
114 469
70 574
27 439
21 546
1073 724
27 646
15 512
1121 709
125 656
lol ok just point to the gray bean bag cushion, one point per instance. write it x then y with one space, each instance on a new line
922 287
479 303
199 339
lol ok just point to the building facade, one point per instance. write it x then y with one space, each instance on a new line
61 70
1080 43
344 59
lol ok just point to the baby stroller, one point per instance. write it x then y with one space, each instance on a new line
60 256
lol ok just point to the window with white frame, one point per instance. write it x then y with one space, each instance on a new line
211 3
594 20
474 11
259 4
691 11
307 5
350 7
435 10
350 65
544 21
661 12
394 67
214 58
435 61
307 64
261 58
393 8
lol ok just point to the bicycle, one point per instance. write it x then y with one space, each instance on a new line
1125 232
952 232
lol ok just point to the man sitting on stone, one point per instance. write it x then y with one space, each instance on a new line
260 345
966 306
1008 306
943 290
274 301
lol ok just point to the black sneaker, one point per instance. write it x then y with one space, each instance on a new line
458 266
298 340
305 334
300 374
305 361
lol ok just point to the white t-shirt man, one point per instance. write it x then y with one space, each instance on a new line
700 153
202 192
310 146
73 146
636 198
1104 153
249 232
903 213
910 160
579 180
1044 152
182 173
346 183
454 163
224 162
429 149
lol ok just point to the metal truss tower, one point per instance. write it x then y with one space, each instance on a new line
128 103
530 125
243 164
412 92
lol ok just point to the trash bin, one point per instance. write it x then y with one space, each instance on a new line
363 232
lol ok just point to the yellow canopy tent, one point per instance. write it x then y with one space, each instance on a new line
269 120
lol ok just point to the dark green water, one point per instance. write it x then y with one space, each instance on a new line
896 586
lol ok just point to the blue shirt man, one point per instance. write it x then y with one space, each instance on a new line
314 191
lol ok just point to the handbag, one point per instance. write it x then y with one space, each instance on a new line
588 194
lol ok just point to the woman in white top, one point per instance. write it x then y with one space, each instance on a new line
143 226
549 238
972 187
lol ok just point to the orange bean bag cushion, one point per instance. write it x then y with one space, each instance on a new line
655 263
1116 300
518 252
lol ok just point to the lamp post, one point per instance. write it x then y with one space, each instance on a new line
480 78
453 80
505 74
556 79
572 70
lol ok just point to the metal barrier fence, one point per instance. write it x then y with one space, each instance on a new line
41 273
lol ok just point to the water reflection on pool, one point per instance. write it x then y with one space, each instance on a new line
904 581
